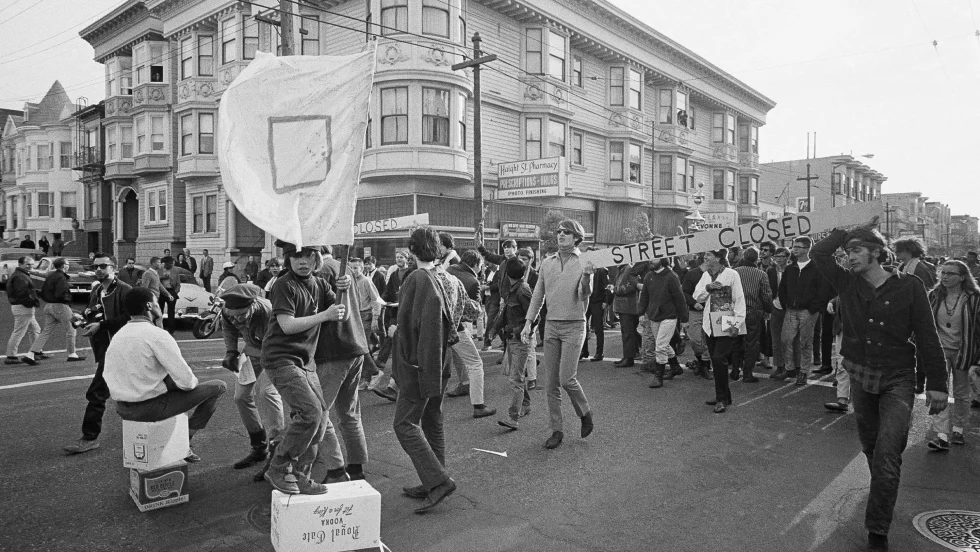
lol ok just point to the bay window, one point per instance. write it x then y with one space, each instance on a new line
461 117
435 18
636 154
532 50
156 62
186 58
140 134
435 116
743 190
29 205
311 40
157 125
681 173
532 138
617 151
617 85
556 139
748 139
205 55
723 128
666 110
718 184
394 16
578 147
556 55
126 141
730 183
228 44
664 165
729 129
754 190
186 134
684 117
250 38
110 142
394 115
44 200
205 130
65 157
43 157
636 89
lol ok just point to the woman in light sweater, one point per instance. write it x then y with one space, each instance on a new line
565 282
720 289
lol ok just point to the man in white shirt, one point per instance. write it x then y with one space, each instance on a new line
147 376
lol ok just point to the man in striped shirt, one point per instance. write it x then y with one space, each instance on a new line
758 304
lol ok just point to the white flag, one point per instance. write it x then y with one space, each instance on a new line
290 142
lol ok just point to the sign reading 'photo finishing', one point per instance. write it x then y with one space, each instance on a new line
753 233
532 178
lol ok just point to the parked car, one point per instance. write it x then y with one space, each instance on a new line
10 258
81 278
192 301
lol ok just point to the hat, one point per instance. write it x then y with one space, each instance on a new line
240 296
290 248
572 226
228 264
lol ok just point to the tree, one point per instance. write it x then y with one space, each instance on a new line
549 241
640 231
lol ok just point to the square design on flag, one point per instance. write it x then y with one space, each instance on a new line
299 151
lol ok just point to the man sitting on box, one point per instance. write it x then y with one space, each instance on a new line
147 376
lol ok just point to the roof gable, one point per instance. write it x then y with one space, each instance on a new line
51 107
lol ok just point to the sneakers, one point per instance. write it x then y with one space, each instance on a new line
779 374
509 423
436 495
459 391
837 406
282 479
938 445
386 393
38 355
800 377
554 440
587 425
76 358
482 411
720 407
82 446
12 360
309 487
28 360
415 492
957 438
191 457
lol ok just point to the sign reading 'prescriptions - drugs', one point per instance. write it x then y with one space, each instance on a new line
785 227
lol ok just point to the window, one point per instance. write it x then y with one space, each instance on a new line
126 80
187 58
690 116
665 181
666 107
228 41
635 156
186 134
636 89
140 134
730 182
754 190
93 200
157 59
205 129
139 60
743 138
683 118
250 39
556 139
311 40
43 158
151 206
681 173
578 145
394 16
162 205
690 175
211 220
718 184
743 190
69 206
65 155
577 71
126 138
269 40
435 116
205 55
20 166
717 128
157 124
110 141
28 205
461 116
617 76
556 55
435 18
462 30
394 115
198 215
532 138
156 205
730 129
30 159
616 152
754 139
532 49
44 200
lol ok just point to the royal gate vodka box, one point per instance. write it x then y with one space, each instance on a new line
347 517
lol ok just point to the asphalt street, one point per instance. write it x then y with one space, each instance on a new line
661 472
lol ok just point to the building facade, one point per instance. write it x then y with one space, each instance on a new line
964 235
840 180
905 215
937 234
643 124
41 191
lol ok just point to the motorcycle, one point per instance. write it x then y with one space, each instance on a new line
210 321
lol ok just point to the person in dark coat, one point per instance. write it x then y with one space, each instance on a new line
629 282
57 312
27 243
595 311
43 244
23 302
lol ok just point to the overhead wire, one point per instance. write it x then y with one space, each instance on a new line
34 5
39 42
935 43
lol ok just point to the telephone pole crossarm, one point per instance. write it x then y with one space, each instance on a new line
808 178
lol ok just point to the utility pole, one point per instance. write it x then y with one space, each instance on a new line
809 200
286 25
478 60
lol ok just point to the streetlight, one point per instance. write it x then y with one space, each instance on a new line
694 219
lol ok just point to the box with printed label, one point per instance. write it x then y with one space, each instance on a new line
347 517
159 488
152 445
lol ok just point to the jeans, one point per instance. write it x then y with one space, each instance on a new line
206 278
827 338
518 352
593 314
840 374
656 341
745 350
339 380
419 427
97 394
776 336
562 345
466 360
493 308
24 324
944 422
798 337
259 404
54 314
628 324
695 332
172 306
720 348
203 399
301 391
883 422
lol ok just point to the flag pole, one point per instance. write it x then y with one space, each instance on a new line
343 296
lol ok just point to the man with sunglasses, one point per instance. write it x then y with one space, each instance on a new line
802 295
107 312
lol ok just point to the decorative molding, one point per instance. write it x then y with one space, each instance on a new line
532 92
436 57
391 55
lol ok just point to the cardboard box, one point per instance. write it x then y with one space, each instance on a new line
348 517
152 445
152 490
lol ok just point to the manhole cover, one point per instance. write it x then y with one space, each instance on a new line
259 517
953 529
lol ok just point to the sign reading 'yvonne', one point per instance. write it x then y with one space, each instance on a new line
786 227
389 224
532 178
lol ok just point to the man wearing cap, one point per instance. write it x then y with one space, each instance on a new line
301 303
169 281
566 284
227 279
881 312
246 314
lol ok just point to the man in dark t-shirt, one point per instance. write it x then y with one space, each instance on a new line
298 300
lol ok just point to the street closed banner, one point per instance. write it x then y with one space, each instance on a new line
754 233
290 142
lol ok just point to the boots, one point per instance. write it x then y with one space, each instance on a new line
260 451
648 367
704 369
658 376
675 369
748 376
260 476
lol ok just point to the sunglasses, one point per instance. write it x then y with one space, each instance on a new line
563 231
101 266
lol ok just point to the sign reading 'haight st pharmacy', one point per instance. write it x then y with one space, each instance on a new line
531 178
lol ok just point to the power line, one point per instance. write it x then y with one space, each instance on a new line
12 4
34 5
29 46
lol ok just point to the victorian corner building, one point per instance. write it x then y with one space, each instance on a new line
641 123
